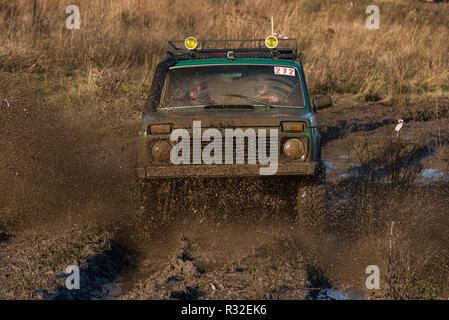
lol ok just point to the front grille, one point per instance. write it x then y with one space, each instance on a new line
248 145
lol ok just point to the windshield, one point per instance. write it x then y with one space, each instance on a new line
232 85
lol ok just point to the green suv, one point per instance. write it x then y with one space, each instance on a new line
225 108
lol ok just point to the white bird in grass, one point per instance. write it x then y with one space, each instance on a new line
399 126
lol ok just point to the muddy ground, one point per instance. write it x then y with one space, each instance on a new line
69 195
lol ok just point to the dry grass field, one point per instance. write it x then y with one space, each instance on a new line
408 55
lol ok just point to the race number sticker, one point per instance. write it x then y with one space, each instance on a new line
284 71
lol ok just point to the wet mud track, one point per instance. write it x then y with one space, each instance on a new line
71 197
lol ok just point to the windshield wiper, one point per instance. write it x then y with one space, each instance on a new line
199 106
211 105
248 98
206 104
257 100
229 107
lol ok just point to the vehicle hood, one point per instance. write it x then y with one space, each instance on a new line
231 118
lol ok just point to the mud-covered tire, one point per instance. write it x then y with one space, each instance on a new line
311 200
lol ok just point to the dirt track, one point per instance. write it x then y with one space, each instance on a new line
70 196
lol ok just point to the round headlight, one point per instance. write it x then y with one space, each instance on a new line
293 148
271 42
161 151
190 43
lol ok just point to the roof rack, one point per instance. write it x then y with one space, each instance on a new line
235 48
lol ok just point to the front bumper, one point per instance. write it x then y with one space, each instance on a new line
231 170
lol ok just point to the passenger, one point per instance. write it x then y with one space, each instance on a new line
262 92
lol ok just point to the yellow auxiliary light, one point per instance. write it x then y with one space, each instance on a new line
190 43
271 42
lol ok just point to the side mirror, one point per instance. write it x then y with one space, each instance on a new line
322 102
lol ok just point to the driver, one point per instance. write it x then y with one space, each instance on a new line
193 93
197 93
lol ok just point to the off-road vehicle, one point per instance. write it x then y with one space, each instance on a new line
234 84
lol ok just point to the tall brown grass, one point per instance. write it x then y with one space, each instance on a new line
408 55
